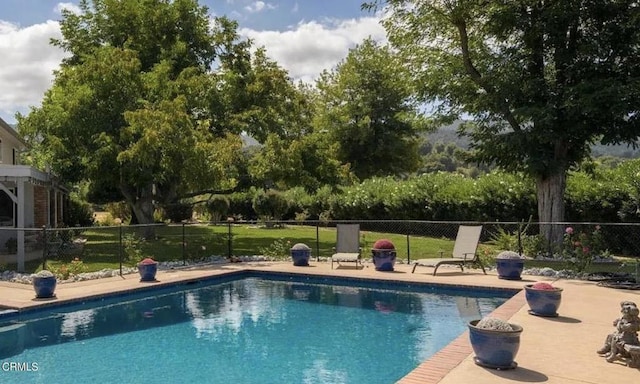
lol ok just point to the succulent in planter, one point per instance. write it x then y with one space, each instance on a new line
383 244
383 253
543 298
508 255
44 284
494 324
300 254
495 342
543 285
509 265
148 269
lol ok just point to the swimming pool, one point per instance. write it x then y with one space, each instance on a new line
250 330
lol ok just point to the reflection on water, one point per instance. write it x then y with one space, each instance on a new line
214 310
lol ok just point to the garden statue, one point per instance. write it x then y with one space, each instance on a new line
624 341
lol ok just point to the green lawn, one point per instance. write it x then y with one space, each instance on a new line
193 242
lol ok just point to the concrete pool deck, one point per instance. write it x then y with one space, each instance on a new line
552 350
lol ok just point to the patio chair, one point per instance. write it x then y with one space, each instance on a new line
347 244
464 251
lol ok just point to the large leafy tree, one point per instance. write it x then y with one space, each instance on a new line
308 161
132 109
262 99
365 105
543 80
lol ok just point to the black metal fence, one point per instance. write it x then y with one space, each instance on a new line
191 242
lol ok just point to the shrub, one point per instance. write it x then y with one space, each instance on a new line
65 271
178 212
119 210
241 205
78 213
132 245
218 207
270 205
279 248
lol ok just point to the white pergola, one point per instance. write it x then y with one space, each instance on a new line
17 181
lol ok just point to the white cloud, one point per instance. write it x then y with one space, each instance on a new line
311 47
68 6
308 48
258 6
295 8
28 62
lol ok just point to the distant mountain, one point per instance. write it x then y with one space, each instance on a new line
448 134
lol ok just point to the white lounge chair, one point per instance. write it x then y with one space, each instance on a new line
347 244
464 251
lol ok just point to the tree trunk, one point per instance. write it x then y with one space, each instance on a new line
550 192
141 202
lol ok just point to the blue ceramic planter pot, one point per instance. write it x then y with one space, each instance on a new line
384 259
495 349
148 271
543 302
510 269
300 257
44 286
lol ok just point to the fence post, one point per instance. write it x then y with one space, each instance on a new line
317 241
120 250
44 249
229 243
520 238
184 250
408 251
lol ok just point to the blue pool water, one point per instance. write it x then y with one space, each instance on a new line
250 330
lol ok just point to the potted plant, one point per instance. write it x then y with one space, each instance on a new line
384 255
300 253
543 299
147 269
509 265
44 283
495 342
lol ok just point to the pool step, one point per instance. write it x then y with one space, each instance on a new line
13 337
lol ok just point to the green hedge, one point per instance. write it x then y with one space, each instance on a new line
606 195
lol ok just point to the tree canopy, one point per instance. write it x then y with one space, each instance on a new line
142 106
366 107
542 80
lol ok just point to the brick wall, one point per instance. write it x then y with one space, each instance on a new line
40 206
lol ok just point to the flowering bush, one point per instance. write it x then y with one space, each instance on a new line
65 271
579 248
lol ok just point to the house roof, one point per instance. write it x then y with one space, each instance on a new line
9 129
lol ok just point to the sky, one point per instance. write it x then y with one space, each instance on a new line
303 36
